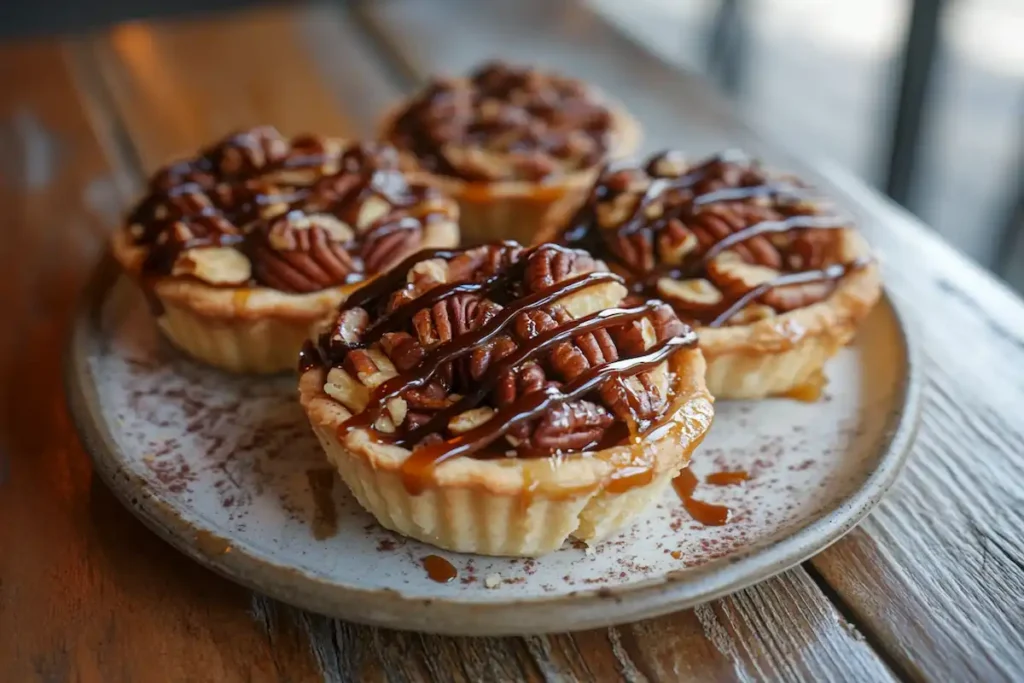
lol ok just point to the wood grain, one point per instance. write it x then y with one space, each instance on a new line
934 576
181 84
939 568
86 593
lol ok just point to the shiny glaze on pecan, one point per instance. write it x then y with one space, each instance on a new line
724 241
505 123
307 213
449 340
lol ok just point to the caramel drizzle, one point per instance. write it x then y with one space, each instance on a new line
456 348
565 332
531 406
583 233
528 406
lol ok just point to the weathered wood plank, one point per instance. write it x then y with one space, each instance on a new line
86 593
781 631
938 571
181 84
935 574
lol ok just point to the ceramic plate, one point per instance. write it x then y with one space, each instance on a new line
226 469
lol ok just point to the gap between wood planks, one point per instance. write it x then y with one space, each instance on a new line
849 615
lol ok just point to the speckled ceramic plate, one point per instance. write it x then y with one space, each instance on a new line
226 469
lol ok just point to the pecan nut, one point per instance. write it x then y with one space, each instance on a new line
248 152
571 426
505 123
388 244
549 266
313 215
792 297
297 253
404 350
483 262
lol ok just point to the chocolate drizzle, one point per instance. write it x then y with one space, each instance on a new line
595 321
256 192
516 299
531 406
446 353
723 204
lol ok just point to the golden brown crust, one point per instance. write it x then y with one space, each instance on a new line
244 329
506 477
248 303
482 418
779 354
837 316
515 506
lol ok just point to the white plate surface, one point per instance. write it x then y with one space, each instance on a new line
225 469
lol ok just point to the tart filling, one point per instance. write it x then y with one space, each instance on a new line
774 279
245 246
500 399
508 142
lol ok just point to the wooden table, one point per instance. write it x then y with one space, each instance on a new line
930 587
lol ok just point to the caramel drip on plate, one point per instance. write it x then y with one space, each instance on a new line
325 515
583 232
707 514
439 569
810 391
726 478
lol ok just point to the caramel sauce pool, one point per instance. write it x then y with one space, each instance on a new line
439 569
731 478
240 298
707 514
810 391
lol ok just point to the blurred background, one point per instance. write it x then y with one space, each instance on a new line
924 99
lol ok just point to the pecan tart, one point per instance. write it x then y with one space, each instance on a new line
499 399
508 143
772 277
245 247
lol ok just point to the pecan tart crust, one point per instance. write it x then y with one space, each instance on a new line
498 400
509 143
772 277
243 249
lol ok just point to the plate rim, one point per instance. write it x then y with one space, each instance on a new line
386 607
